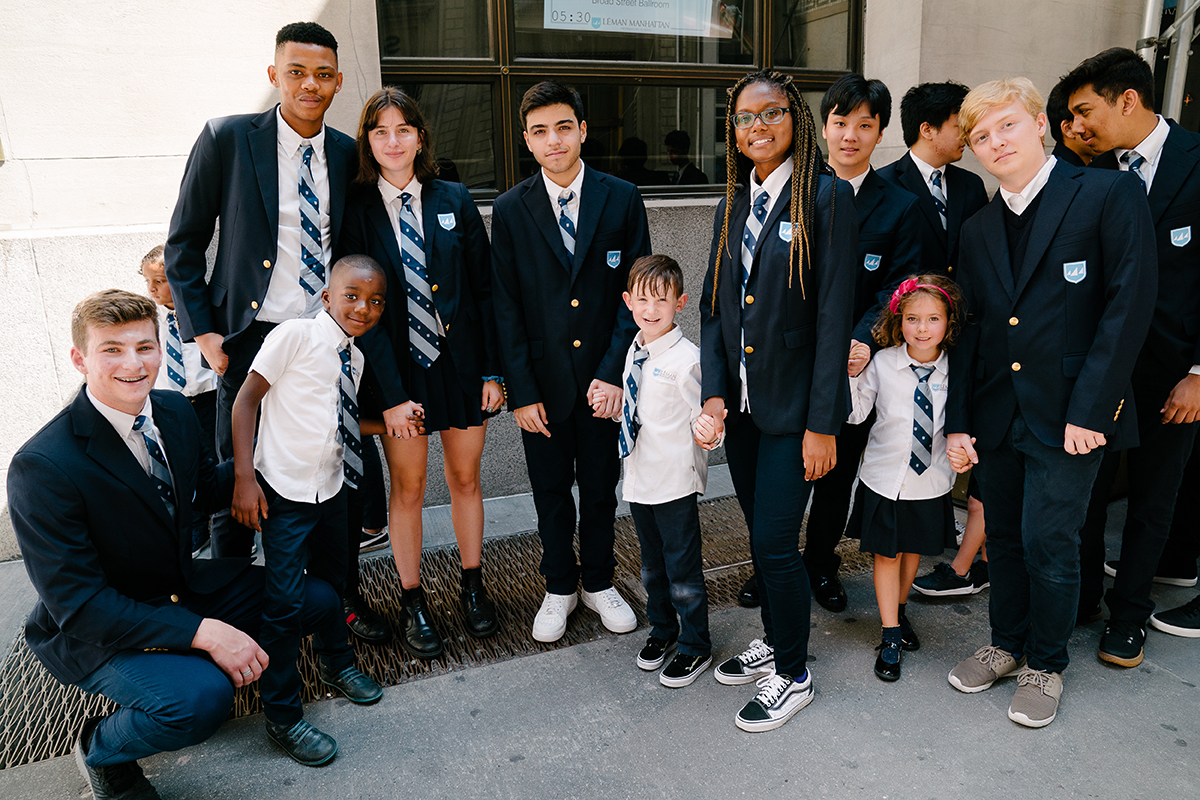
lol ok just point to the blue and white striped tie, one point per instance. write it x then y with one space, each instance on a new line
422 316
174 347
939 195
348 433
312 268
158 463
629 420
1134 163
922 444
566 226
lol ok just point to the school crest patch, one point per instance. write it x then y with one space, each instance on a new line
1181 236
1074 271
613 259
785 231
447 221
871 262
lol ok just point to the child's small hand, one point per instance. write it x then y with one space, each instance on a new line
707 429
961 452
860 356
249 503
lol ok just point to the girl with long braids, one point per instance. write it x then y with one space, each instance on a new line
775 326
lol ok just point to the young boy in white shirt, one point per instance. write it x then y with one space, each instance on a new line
292 487
665 470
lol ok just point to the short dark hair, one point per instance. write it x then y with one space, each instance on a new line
851 91
1057 112
679 140
305 33
929 102
108 309
357 261
656 273
155 256
1110 74
550 93
888 329
424 165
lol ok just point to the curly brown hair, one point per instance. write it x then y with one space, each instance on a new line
887 330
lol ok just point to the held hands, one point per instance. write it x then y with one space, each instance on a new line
405 421
1183 403
493 397
234 652
532 418
249 502
605 399
1081 441
820 454
210 346
713 414
960 449
860 356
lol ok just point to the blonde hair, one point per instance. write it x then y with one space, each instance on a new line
994 94
108 309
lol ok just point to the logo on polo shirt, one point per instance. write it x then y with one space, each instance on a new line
1074 271
1181 236
666 375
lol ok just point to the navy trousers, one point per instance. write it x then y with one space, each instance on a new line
831 501
673 572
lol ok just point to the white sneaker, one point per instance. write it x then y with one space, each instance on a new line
778 699
551 621
614 612
747 666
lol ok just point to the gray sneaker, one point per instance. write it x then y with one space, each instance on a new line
1036 701
980 671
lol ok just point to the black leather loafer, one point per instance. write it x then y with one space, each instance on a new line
828 592
884 670
908 636
116 782
748 594
303 743
355 685
419 639
478 608
364 622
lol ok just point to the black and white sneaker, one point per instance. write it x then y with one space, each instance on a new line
683 670
749 665
943 581
370 541
654 653
779 698
1182 621
979 576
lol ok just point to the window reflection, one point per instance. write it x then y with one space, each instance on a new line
460 123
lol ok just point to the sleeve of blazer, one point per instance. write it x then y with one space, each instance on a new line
192 226
712 339
49 513
829 394
1131 286
478 268
906 260
510 316
637 244
966 350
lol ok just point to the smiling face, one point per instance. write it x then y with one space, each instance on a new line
120 363
940 146
355 299
852 138
307 78
1103 125
767 146
923 324
654 308
1007 140
394 144
157 287
555 137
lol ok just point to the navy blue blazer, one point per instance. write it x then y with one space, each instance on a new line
457 259
889 248
965 195
109 564
1060 342
232 174
1066 154
561 321
797 342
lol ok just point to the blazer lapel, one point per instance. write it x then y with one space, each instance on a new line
339 158
1175 166
869 196
992 218
591 204
1057 194
378 216
910 179
538 203
264 148
737 227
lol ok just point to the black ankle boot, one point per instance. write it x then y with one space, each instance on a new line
477 607
420 639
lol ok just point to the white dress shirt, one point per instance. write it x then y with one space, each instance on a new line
1017 202
554 190
927 170
298 449
665 464
1150 149
286 299
888 385
391 202
123 424
200 379
857 181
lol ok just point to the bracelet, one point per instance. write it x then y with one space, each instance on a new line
495 378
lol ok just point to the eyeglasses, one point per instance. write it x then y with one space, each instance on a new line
769 116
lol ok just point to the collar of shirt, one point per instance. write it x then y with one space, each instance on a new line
661 344
904 361
391 197
1149 148
331 331
926 171
773 184
1017 202
554 190
290 142
122 422
857 181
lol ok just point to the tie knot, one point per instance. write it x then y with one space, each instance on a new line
307 152
171 316
404 198
922 373
1133 160
936 178
565 197
139 422
344 354
760 202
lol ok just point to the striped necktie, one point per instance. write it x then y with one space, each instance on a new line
158 463
175 370
566 226
629 419
939 196
750 238
348 433
922 444
422 317
1134 163
312 269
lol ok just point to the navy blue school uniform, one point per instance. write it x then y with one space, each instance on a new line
1067 155
965 195
889 250
796 344
1051 341
1172 349
561 323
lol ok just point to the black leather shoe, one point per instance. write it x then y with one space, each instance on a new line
304 743
116 782
908 636
364 622
828 592
478 608
748 594
884 669
1121 643
419 639
353 683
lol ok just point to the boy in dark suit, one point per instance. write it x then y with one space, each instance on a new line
1058 275
277 182
1068 145
562 244
947 195
1112 98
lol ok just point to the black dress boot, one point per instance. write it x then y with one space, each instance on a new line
478 608
419 639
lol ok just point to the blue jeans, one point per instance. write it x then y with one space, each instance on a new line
1036 498
672 572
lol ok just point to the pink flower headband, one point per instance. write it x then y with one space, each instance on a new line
911 285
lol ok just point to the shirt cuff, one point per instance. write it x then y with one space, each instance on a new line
1195 370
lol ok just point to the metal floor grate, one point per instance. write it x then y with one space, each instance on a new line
39 717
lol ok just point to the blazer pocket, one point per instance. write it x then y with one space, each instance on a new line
535 349
799 337
1072 364
1071 237
218 294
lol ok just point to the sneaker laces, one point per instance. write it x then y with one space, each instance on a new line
609 597
991 656
1037 677
554 604
757 650
771 688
